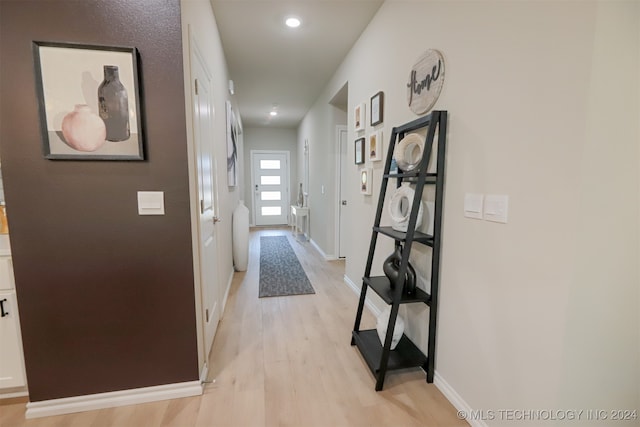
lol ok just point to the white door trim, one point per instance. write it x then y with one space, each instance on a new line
287 195
339 129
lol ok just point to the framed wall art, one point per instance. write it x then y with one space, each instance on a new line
374 148
232 147
359 151
89 101
366 181
377 108
359 116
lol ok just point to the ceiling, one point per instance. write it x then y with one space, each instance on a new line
276 67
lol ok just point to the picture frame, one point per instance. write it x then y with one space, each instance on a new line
375 146
366 181
232 146
377 108
359 116
89 101
359 151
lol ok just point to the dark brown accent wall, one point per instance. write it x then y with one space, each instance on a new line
106 297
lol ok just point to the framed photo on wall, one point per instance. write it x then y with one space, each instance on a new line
374 148
359 116
359 151
377 108
89 101
366 181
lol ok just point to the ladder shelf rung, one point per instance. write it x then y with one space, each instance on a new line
416 124
381 286
413 174
405 355
425 239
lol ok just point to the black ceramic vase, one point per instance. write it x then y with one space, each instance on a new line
113 105
391 267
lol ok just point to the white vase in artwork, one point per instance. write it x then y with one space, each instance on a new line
83 130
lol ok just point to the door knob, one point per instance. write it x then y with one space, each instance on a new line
344 203
216 219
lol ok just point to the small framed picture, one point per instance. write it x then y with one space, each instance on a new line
359 147
89 100
359 116
375 145
377 108
366 181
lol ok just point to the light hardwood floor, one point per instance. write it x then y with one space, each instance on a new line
283 361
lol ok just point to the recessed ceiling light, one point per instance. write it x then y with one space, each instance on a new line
292 22
273 113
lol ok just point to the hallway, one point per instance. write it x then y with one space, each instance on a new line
287 360
282 361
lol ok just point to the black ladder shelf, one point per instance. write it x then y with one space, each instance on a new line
380 358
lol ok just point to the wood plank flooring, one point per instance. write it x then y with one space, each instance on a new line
282 361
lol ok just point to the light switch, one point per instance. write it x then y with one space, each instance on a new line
473 205
150 202
496 207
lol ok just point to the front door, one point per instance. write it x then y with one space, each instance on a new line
270 180
203 122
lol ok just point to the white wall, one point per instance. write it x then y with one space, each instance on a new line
199 22
542 312
319 127
267 138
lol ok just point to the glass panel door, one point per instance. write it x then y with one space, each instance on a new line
270 178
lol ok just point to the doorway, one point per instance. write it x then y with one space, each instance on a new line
340 102
270 183
341 168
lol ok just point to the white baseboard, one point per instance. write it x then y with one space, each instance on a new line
371 306
226 293
112 399
456 400
10 395
325 256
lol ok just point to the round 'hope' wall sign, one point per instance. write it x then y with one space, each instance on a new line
425 81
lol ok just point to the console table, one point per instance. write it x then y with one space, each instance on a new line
299 213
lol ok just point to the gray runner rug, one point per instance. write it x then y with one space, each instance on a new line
280 271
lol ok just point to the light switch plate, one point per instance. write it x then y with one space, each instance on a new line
473 205
496 207
150 202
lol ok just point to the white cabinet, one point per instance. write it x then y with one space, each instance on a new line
11 359
11 364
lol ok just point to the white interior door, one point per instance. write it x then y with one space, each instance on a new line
270 180
203 117
342 196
